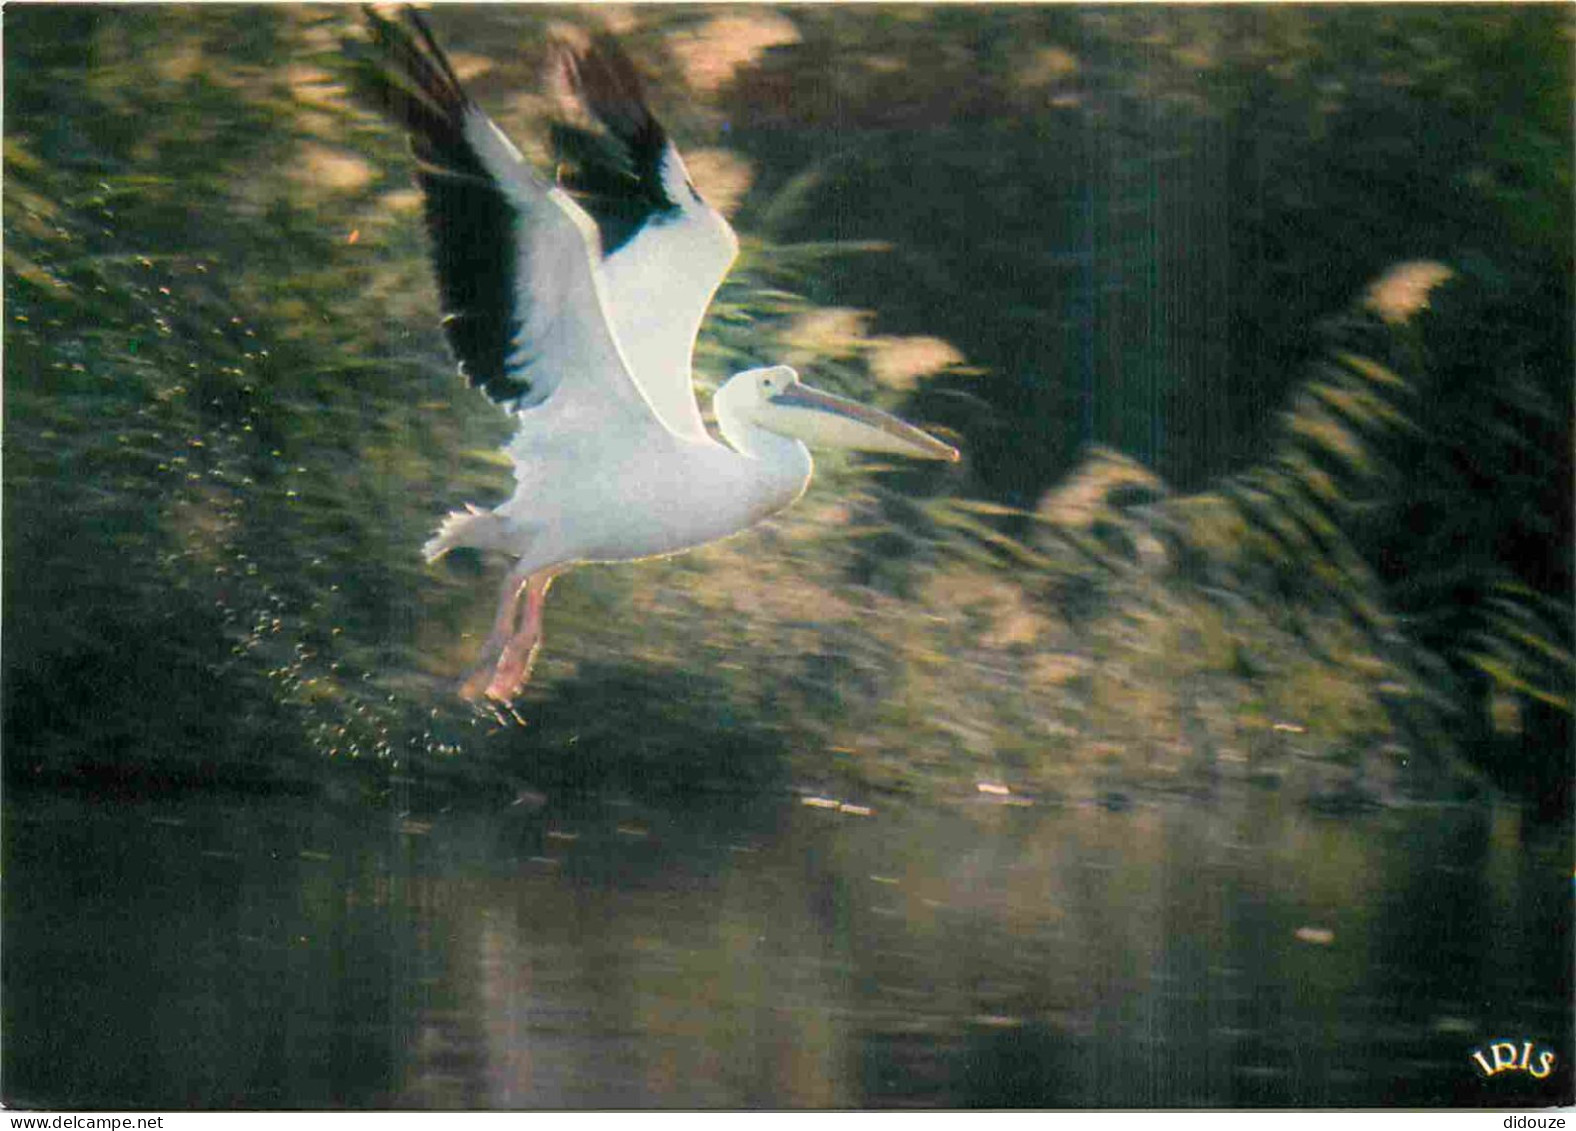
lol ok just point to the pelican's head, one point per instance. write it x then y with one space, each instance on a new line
775 400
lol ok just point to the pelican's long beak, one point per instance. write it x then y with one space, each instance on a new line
821 419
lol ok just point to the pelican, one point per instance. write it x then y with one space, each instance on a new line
574 304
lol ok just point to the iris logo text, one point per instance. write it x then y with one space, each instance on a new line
1505 1056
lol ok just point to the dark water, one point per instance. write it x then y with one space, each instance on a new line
596 951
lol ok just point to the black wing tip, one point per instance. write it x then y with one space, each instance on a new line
611 154
413 83
605 80
412 16
409 18
411 66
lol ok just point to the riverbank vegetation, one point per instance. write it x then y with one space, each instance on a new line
1253 325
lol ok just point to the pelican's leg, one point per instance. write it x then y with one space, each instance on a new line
510 647
514 666
503 627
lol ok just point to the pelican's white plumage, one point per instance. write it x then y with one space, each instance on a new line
576 305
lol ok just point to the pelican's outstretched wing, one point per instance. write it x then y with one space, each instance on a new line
664 249
522 304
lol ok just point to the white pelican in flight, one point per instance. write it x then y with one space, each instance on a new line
574 305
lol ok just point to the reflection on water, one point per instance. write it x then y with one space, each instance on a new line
598 952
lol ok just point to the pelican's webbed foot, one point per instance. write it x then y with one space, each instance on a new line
510 649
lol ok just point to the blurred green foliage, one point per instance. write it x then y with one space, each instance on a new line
230 423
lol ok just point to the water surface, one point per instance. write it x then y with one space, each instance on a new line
602 951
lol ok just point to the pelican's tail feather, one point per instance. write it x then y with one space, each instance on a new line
473 527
